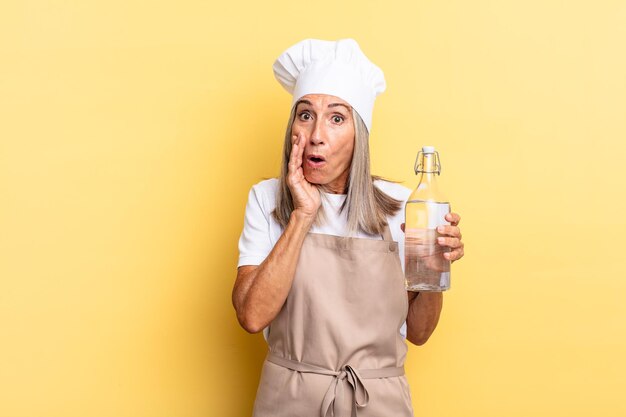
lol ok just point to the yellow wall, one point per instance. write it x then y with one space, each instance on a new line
131 132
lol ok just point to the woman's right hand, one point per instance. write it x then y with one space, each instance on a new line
306 197
260 291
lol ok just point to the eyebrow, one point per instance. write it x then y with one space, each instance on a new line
303 102
330 105
339 104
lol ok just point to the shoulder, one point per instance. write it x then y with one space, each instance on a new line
265 193
266 187
393 189
256 240
262 199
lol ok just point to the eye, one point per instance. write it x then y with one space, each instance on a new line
304 115
337 119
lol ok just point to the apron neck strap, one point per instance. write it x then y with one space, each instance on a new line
386 234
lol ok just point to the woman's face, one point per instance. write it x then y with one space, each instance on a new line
327 125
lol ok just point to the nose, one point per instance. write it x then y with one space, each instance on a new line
317 135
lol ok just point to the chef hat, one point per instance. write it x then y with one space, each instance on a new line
337 68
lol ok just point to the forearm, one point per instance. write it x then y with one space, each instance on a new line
423 315
271 281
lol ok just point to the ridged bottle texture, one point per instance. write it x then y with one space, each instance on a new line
425 267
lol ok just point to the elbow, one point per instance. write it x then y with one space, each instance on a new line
418 340
249 322
246 308
246 320
420 337
251 326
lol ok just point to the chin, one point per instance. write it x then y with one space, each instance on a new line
314 178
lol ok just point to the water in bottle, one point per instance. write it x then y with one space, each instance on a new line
425 267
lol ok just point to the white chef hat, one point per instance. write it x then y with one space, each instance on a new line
337 68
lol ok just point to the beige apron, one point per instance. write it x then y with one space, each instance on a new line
335 347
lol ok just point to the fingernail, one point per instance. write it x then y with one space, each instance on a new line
440 229
440 240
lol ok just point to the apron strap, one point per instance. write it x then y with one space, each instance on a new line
353 376
386 235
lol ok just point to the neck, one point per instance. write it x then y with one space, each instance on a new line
338 186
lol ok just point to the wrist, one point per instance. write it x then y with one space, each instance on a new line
302 218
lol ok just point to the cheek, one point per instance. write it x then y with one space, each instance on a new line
346 152
296 127
348 160
295 130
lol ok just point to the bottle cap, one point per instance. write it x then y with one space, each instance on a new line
428 149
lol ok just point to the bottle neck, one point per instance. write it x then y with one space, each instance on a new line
428 168
428 186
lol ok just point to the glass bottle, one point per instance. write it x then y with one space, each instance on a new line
425 267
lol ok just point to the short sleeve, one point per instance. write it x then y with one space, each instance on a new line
255 243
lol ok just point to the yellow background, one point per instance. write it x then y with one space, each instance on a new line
131 132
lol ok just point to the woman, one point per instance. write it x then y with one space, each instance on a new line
320 254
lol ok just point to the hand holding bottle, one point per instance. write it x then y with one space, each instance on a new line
451 237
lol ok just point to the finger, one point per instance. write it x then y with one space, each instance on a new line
454 255
450 242
293 168
301 143
450 231
292 159
453 218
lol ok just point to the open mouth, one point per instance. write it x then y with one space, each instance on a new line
315 161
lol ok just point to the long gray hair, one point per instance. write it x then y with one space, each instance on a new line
367 206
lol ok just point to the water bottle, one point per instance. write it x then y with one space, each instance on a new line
425 267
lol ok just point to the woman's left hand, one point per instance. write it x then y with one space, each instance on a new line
451 238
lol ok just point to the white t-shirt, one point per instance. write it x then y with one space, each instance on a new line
261 231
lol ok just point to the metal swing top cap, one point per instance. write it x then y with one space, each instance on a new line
428 150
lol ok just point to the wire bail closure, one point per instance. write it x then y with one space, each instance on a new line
419 168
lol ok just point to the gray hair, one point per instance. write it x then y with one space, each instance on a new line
366 205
